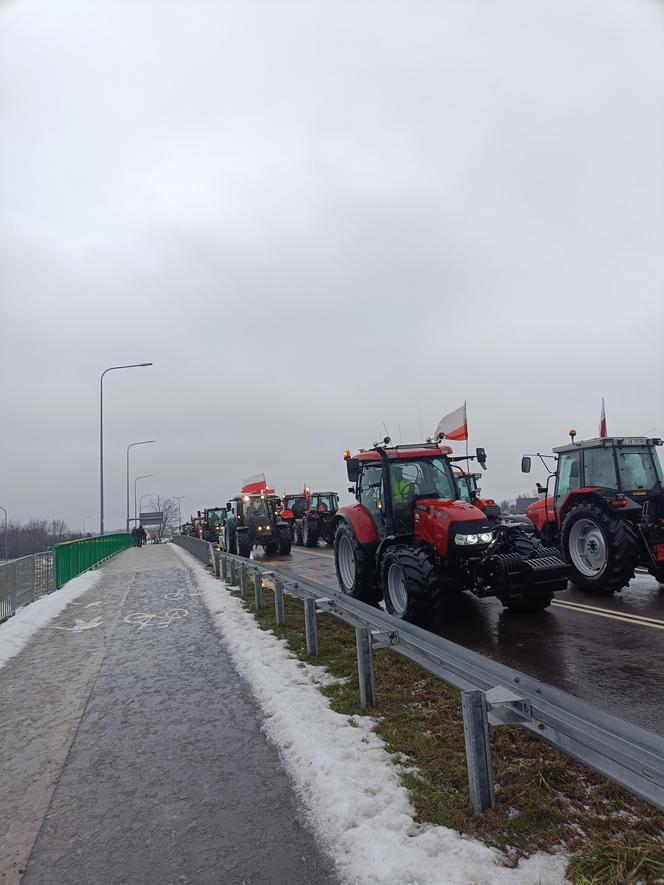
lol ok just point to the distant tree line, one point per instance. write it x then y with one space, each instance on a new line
34 536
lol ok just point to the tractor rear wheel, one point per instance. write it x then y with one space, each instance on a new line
354 566
242 542
658 574
602 549
284 539
229 535
410 585
271 548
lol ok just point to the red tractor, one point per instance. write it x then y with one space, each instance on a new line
606 512
293 506
411 541
254 520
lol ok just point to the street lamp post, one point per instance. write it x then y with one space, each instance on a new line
101 436
5 512
143 442
84 518
144 476
179 498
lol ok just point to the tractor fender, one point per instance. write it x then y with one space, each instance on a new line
541 514
601 497
359 519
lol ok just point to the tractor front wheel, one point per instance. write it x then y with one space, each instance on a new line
410 586
296 536
242 542
284 539
310 532
602 549
354 566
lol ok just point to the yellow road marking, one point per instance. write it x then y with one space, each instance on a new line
607 613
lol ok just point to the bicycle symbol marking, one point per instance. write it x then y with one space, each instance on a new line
153 619
180 594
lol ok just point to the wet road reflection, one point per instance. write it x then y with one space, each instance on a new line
614 662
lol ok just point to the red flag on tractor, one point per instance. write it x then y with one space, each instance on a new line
253 484
602 421
454 425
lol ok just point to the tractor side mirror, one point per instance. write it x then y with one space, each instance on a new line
351 489
229 506
525 464
353 468
480 454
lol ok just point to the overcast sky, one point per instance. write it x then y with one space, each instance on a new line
311 215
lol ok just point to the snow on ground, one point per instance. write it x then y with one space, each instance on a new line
357 805
17 631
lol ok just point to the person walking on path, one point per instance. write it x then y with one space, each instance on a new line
141 536
134 533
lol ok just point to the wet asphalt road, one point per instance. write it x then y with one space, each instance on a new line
606 657
132 749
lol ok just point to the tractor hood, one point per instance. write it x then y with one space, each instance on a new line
439 522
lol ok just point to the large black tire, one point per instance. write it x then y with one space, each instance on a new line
271 548
284 539
229 535
355 566
242 542
620 542
296 534
657 571
310 532
411 588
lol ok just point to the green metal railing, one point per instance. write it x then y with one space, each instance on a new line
75 557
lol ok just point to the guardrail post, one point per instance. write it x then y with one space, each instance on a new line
217 563
478 750
310 630
224 568
279 607
258 590
365 670
243 580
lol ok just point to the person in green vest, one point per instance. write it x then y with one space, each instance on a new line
402 492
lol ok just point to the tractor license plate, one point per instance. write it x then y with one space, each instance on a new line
659 552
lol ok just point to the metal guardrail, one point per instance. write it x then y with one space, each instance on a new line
491 693
24 580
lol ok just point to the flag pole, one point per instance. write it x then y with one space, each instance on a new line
465 415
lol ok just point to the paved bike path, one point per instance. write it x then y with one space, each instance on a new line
134 751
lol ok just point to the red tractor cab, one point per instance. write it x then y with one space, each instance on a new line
469 492
412 541
293 506
606 509
317 522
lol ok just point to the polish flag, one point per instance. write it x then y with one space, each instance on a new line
255 483
602 421
454 425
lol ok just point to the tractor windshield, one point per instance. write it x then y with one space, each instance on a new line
639 468
296 503
215 516
324 503
467 484
430 476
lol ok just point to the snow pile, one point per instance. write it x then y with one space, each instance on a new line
358 807
17 631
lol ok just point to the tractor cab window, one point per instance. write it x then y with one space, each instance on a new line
296 504
466 485
324 504
371 492
600 468
569 474
256 507
637 469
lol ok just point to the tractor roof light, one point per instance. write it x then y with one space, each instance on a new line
346 455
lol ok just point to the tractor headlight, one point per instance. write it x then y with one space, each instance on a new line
469 540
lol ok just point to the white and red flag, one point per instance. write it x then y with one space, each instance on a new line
252 484
602 421
454 425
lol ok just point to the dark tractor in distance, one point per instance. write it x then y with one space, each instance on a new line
410 540
213 523
318 518
606 512
254 521
293 506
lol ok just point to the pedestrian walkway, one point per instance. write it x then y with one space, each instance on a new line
133 752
